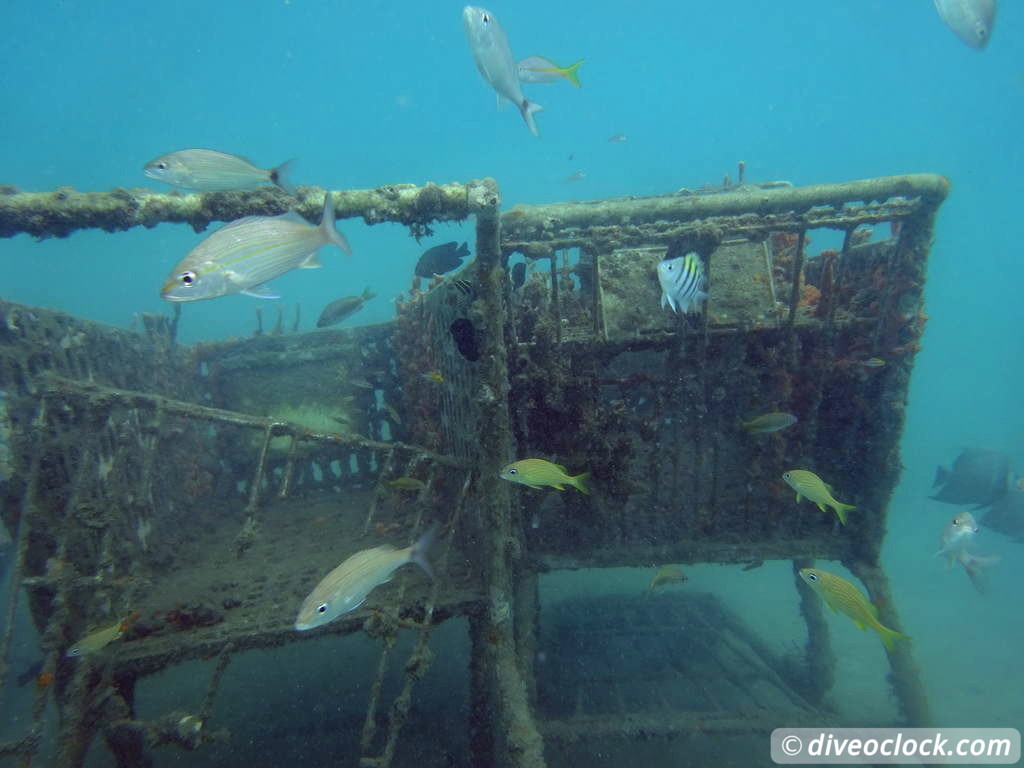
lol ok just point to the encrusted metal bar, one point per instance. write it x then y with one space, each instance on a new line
65 210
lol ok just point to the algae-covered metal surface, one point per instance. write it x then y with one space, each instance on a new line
815 310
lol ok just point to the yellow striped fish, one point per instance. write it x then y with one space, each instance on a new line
345 588
244 255
811 487
843 597
538 473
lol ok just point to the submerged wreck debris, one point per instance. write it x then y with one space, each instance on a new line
132 466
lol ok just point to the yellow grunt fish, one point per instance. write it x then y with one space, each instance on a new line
769 422
407 484
666 575
538 473
811 487
345 588
843 597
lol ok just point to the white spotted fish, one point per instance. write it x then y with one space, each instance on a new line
683 282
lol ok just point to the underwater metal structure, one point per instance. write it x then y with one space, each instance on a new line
126 459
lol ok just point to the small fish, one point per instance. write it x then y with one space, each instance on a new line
207 170
342 309
538 473
518 275
464 287
440 259
577 176
956 536
466 338
407 484
970 20
769 422
843 597
665 575
618 138
682 281
345 588
872 362
811 487
242 256
495 62
360 384
98 640
435 376
392 413
537 69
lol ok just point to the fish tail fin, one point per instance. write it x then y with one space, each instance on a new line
580 482
463 250
280 176
841 510
334 237
975 567
572 73
527 110
890 637
418 551
368 294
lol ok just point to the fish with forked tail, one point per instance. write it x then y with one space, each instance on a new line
345 588
207 170
241 257
494 60
843 597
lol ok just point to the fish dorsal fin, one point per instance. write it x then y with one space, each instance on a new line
311 262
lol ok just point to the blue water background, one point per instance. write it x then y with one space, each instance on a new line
364 94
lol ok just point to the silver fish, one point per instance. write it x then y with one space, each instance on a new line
208 170
956 536
243 255
970 20
682 282
494 59
345 588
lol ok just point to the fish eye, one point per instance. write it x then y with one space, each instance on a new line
513 471
162 166
188 278
812 576
322 608
956 521
486 18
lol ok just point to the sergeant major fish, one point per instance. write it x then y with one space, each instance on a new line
345 588
495 62
207 170
242 256
682 281
843 597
